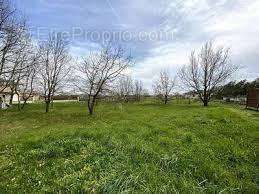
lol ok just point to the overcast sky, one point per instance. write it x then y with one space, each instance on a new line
182 26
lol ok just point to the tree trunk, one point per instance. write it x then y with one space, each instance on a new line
91 108
19 102
23 105
166 100
205 98
47 106
90 105
1 103
52 103
11 99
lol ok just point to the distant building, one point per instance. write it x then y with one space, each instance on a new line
5 97
34 97
237 99
253 98
6 94
191 95
66 97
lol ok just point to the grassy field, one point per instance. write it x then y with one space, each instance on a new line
145 147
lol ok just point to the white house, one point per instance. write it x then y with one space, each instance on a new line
5 97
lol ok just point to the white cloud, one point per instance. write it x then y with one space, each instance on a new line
235 26
230 23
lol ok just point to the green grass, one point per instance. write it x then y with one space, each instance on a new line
146 147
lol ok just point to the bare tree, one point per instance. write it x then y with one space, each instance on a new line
27 85
99 70
12 32
207 70
6 14
54 60
21 60
164 86
138 89
125 88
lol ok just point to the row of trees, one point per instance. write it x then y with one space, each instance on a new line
45 67
127 89
206 72
17 61
25 66
236 89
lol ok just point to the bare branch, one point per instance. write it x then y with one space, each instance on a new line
207 70
100 69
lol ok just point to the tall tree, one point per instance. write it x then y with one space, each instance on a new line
27 85
12 33
207 71
21 60
6 15
99 70
54 68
